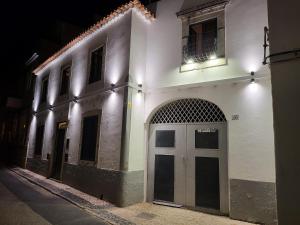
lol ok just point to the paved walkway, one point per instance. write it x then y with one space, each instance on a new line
149 214
142 214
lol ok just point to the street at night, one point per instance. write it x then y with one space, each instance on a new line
24 203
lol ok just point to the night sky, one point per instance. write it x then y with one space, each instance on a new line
24 22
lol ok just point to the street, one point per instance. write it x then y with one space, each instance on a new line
23 203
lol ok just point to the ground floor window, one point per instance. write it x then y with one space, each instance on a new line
89 138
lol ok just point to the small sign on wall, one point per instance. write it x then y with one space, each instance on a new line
207 130
236 117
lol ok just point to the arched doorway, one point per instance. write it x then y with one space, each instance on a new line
187 162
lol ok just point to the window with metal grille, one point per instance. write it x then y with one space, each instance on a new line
96 65
65 79
203 34
188 111
202 42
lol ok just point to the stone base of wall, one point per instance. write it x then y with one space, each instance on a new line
37 166
120 188
253 201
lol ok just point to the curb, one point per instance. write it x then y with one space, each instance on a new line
121 221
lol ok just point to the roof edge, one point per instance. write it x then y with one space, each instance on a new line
120 10
203 6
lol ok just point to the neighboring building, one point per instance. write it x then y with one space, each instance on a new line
163 109
285 66
12 132
16 108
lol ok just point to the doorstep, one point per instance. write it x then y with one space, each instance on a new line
140 214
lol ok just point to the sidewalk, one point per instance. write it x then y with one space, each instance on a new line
141 214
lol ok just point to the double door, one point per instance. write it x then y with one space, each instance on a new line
188 166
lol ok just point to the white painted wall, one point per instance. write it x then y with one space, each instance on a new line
154 60
138 48
135 111
244 20
115 37
251 138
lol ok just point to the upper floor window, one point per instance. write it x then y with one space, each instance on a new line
44 89
65 79
96 65
203 35
203 39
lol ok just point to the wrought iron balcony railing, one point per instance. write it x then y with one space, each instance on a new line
201 47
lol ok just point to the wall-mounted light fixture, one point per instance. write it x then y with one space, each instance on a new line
140 88
34 113
75 99
252 77
51 107
113 87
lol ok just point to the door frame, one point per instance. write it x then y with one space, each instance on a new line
222 157
150 170
64 125
180 199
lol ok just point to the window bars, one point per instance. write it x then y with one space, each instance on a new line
199 51
188 111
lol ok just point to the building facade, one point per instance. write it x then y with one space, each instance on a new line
284 63
174 108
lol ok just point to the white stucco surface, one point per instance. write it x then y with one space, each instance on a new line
251 138
115 37
244 38
150 54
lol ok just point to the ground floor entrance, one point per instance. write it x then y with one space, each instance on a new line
187 165
58 153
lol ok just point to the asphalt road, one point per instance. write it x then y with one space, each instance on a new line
23 203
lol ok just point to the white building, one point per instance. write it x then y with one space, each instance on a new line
162 108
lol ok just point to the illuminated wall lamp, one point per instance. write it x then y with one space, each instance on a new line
140 88
51 107
252 78
75 99
113 87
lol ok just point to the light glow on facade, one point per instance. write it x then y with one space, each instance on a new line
102 24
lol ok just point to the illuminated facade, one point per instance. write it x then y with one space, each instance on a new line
163 109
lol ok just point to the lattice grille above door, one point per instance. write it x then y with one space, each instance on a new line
189 111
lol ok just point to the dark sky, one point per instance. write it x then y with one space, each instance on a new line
24 22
